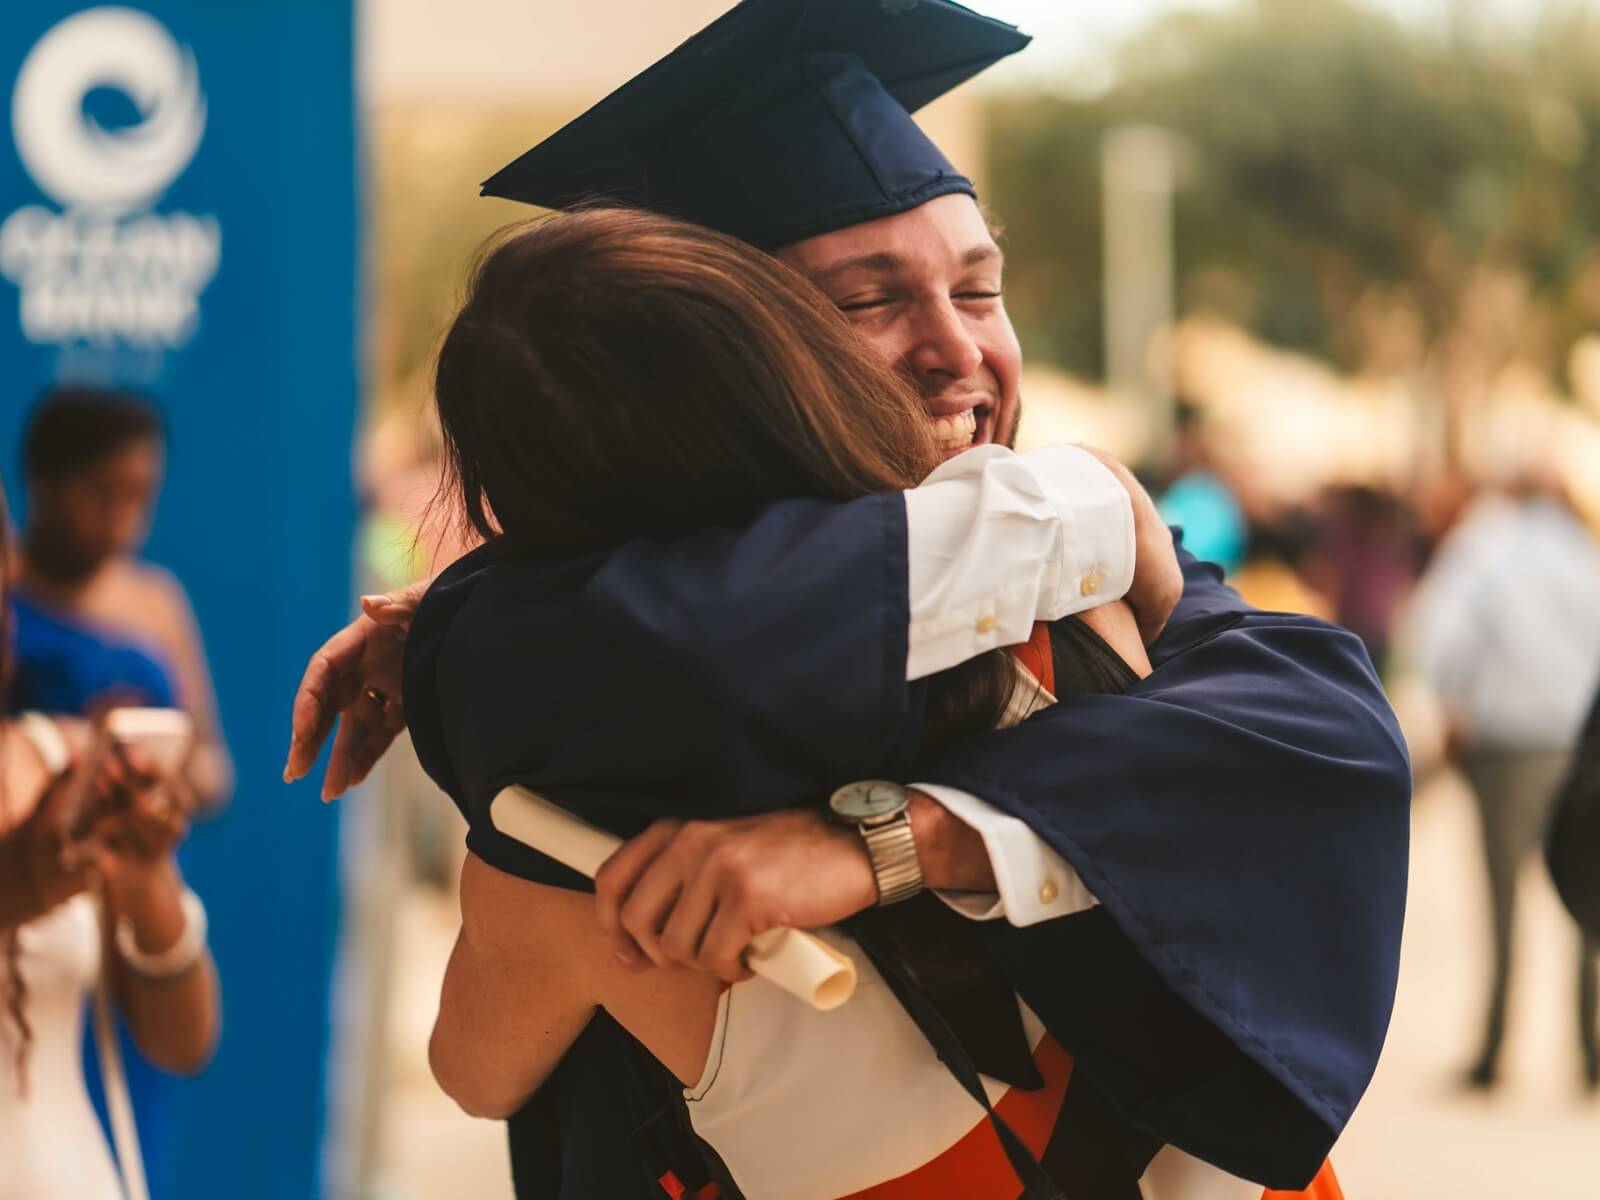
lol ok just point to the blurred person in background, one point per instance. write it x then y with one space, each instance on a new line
1505 628
95 627
1365 557
93 623
1272 577
1200 501
54 944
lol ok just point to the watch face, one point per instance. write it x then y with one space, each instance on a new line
868 800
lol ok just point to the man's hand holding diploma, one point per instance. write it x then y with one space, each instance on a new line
776 949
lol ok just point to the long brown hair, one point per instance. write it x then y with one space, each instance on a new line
616 374
16 990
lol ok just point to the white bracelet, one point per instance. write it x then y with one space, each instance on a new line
178 958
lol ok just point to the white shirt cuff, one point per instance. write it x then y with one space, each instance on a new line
1034 882
998 540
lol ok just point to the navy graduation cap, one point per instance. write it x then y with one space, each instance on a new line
780 120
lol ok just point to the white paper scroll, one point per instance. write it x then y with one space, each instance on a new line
800 964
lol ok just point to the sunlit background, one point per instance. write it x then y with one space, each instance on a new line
1351 278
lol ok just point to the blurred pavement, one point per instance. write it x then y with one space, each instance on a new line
1417 1136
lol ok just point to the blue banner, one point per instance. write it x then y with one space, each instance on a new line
178 214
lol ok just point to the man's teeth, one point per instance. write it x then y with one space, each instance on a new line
956 431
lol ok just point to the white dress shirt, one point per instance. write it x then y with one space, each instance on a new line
997 541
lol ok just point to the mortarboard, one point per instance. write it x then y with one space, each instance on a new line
780 120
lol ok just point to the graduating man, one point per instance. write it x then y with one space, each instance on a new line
1199 884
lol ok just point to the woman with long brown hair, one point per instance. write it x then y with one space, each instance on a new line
616 380
66 841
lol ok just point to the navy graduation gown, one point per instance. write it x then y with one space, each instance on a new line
1242 814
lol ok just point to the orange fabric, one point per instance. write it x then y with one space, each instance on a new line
1036 655
1324 1187
976 1165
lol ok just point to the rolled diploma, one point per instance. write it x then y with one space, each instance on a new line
802 965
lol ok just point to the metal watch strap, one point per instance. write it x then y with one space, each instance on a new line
893 852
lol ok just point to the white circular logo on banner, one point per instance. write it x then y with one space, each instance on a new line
74 159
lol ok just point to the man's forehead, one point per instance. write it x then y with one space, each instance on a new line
947 233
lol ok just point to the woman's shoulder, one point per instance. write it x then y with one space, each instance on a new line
138 603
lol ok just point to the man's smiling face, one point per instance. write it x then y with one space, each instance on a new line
923 287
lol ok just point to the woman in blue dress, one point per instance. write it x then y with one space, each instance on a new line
97 628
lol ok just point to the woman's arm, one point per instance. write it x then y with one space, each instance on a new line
502 1028
720 636
1064 524
164 981
528 971
174 1021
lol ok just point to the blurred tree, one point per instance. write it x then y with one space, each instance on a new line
1352 187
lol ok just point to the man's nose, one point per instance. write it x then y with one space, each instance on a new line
943 348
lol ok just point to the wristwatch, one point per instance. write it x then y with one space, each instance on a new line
878 811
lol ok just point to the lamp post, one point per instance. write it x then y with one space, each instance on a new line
1139 173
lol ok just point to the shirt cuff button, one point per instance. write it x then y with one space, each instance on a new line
986 624
1048 891
1090 583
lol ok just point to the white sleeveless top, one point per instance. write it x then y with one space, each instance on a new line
51 1145
808 1105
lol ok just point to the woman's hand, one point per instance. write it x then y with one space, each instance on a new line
132 846
356 673
126 846
173 1016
